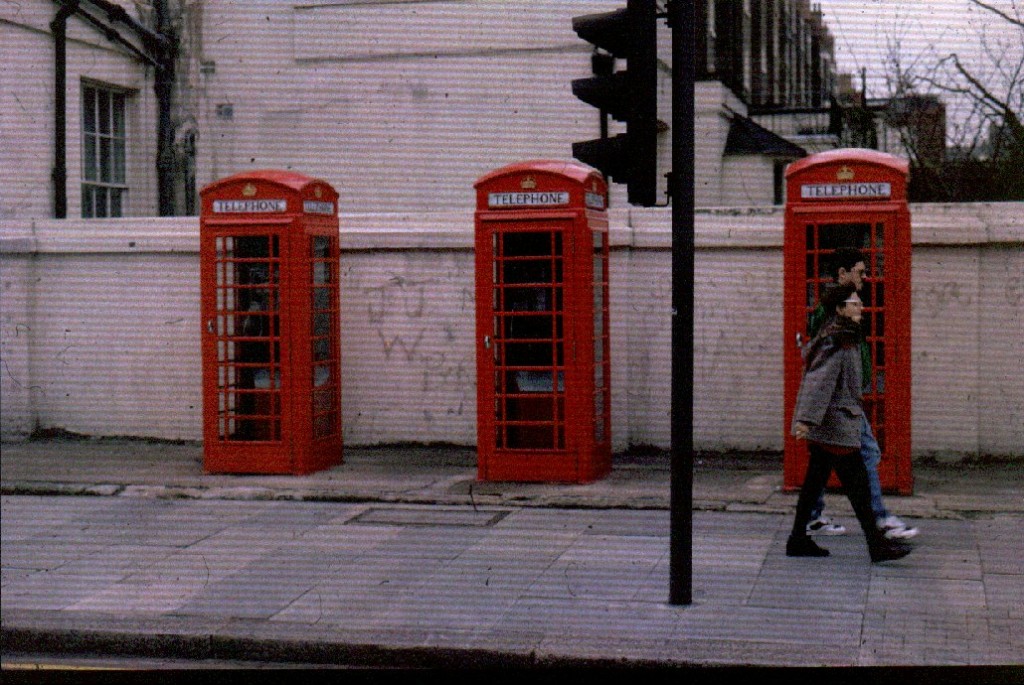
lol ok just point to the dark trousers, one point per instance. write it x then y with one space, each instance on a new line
854 478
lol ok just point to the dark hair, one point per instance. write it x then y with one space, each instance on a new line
844 258
835 295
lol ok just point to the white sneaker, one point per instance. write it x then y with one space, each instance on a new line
824 526
895 529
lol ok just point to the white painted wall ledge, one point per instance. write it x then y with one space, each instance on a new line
641 228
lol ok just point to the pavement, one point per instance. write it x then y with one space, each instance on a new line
400 557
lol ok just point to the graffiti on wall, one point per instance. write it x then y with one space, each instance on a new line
417 323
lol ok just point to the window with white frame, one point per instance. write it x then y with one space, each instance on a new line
104 182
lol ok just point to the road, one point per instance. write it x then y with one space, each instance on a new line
28 662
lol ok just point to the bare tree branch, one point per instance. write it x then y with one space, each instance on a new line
1007 17
1009 116
985 138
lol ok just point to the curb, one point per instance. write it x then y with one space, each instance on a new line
774 503
208 646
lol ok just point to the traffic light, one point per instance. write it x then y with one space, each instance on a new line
628 96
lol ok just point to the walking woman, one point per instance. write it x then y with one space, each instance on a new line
828 415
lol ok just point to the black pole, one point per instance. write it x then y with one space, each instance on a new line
164 88
60 166
163 85
681 19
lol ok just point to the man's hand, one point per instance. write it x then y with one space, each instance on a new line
800 430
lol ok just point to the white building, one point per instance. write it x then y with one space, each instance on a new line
108 119
401 105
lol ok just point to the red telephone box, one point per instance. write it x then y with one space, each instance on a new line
270 311
853 198
543 367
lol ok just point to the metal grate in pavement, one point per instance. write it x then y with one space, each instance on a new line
430 517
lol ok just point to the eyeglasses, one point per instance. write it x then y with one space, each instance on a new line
856 302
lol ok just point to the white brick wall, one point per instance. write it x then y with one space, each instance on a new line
99 331
401 105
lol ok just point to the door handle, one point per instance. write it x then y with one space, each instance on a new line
209 326
487 342
799 339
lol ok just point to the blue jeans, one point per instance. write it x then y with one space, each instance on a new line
871 454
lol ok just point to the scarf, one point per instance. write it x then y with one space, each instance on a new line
839 332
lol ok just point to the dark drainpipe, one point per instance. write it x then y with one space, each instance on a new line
60 162
164 87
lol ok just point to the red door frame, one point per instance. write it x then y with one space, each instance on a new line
539 464
324 451
251 456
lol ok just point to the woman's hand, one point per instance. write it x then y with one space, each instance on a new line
800 430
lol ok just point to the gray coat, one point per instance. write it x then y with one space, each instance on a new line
829 401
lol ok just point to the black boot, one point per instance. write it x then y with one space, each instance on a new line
884 549
804 546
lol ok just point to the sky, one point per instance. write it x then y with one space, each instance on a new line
925 30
